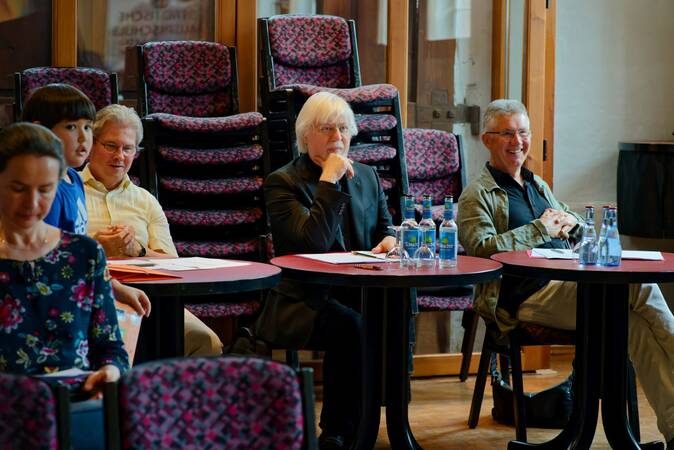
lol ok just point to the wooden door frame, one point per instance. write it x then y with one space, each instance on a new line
539 98
539 76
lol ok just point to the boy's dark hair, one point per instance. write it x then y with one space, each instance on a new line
23 138
55 102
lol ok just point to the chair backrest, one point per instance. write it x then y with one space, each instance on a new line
28 417
187 78
435 163
228 402
317 50
98 85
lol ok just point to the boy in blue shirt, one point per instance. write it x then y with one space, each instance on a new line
70 114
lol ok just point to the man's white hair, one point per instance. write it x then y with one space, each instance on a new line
502 107
119 115
323 108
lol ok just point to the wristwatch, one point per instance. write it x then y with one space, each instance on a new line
143 250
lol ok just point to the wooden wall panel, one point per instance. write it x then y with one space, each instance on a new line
550 61
64 33
225 22
499 39
246 46
397 50
534 92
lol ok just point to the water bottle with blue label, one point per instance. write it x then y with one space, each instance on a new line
409 231
588 252
425 255
602 249
614 249
448 236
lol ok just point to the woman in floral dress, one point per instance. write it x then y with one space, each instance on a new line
56 306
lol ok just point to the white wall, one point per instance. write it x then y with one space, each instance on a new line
614 82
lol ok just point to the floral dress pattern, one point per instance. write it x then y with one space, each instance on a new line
57 311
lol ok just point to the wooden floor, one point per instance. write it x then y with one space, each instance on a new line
439 414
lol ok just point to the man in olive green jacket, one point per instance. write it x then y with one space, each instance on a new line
509 208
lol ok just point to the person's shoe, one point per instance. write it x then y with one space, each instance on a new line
330 442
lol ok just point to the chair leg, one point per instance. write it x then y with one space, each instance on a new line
293 359
469 321
633 402
480 382
518 393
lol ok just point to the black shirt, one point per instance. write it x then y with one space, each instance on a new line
525 204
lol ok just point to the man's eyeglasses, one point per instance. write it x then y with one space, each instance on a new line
510 134
112 147
328 130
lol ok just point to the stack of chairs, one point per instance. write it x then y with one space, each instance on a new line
301 55
436 166
228 402
206 162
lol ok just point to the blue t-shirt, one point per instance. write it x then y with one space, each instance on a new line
69 210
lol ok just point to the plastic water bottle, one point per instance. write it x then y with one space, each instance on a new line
448 236
614 249
602 249
409 231
425 255
588 250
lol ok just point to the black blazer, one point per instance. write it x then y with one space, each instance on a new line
305 217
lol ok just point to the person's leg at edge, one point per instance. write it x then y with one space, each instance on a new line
199 339
337 331
651 349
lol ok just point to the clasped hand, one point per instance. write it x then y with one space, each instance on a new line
558 223
118 240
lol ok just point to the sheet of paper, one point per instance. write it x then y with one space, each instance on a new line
192 263
195 263
553 253
342 258
640 254
68 373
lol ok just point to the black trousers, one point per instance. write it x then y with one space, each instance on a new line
338 332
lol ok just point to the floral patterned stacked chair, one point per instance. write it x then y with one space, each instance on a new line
301 55
228 402
435 165
98 85
33 415
206 162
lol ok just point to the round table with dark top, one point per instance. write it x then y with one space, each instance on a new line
601 342
386 311
162 334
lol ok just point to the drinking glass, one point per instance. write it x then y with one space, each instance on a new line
397 252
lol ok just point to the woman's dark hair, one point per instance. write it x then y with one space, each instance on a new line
23 138
53 103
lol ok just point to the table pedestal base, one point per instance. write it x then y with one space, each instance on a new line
602 316
386 344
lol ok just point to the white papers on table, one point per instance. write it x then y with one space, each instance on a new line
640 254
178 264
557 253
344 258
68 373
553 253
